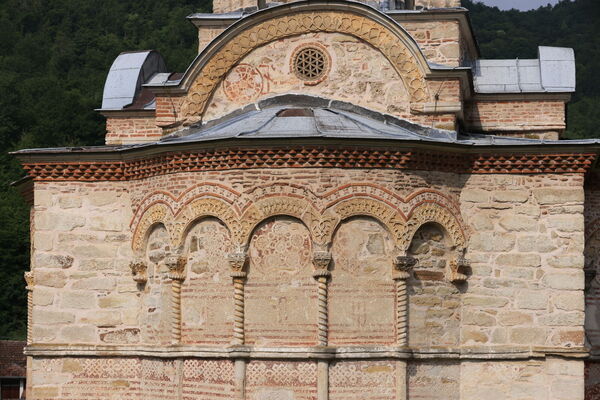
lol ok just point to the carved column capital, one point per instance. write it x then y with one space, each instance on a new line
139 271
457 267
321 261
176 266
237 261
402 266
29 280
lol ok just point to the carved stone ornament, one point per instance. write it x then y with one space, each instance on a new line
29 279
176 266
237 262
457 267
402 267
139 271
321 259
320 216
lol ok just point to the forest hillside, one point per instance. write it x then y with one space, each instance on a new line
54 57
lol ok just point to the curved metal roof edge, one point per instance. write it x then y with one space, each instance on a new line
127 75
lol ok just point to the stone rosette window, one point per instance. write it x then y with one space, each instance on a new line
311 63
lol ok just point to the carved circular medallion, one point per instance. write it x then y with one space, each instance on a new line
244 83
311 63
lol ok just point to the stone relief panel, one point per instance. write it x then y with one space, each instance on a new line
275 380
154 315
363 380
361 292
434 303
281 293
356 71
160 379
427 379
89 378
207 379
207 299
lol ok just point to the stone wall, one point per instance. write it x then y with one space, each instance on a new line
74 378
524 290
80 257
526 252
554 379
527 260
439 40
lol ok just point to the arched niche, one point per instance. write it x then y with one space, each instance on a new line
281 293
154 318
434 302
361 292
206 299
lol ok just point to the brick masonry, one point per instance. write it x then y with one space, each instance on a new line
524 291
276 272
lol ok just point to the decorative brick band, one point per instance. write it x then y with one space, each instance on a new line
310 157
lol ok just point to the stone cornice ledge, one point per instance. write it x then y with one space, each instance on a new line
303 353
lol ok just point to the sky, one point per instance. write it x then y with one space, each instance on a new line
518 4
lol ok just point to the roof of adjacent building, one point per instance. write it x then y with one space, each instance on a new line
127 74
13 362
552 72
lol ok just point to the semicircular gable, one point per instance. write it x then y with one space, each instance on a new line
358 20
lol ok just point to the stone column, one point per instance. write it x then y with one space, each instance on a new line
29 287
400 274
457 267
176 266
321 261
240 379
237 262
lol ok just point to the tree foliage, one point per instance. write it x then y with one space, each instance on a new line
54 57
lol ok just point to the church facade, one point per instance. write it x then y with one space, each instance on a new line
336 200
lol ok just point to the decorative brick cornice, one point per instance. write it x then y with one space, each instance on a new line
309 157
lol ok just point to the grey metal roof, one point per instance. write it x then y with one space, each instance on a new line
336 123
320 118
127 74
552 72
324 123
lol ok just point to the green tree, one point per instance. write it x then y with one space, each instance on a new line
54 58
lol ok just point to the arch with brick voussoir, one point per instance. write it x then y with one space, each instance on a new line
321 224
358 20
434 213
